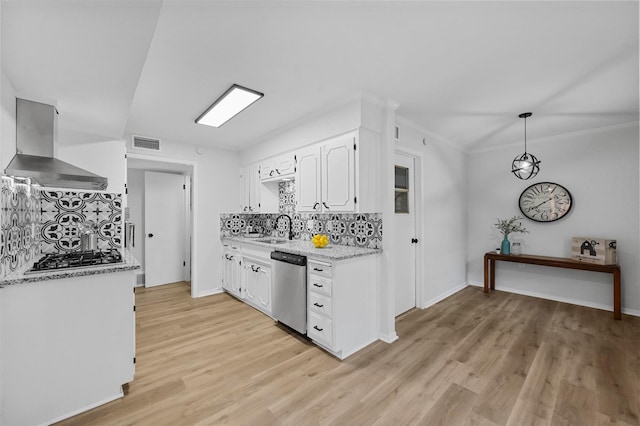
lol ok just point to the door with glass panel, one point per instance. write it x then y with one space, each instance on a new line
404 239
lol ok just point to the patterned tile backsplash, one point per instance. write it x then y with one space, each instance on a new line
64 211
349 229
287 197
20 230
37 221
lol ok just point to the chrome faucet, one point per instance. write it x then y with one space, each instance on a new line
290 224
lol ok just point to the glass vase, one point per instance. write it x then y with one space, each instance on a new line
506 246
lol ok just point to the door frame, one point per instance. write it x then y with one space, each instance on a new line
191 216
419 218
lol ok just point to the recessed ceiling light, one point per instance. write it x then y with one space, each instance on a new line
232 102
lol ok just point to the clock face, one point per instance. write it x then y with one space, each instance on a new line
545 202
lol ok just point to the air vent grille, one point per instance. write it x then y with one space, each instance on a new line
146 143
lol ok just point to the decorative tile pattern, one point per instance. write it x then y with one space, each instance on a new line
20 225
287 197
64 211
347 229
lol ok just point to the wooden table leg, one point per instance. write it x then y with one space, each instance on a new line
486 274
492 274
617 299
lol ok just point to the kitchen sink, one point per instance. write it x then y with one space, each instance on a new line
271 240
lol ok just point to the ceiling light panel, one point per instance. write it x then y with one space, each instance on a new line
227 106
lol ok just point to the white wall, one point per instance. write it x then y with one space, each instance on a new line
102 158
600 169
337 121
444 214
216 190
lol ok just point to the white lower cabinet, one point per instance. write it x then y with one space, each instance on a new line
68 345
341 295
257 284
341 304
320 329
232 269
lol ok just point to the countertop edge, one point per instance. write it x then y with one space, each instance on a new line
17 278
313 252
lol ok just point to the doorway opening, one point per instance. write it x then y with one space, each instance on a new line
160 200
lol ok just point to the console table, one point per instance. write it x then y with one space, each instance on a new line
556 262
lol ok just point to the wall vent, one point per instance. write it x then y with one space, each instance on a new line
141 142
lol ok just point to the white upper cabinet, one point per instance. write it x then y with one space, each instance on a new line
250 188
338 174
325 179
277 168
308 195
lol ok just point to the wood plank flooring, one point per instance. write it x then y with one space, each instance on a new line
471 359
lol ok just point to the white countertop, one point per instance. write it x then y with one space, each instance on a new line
306 248
19 277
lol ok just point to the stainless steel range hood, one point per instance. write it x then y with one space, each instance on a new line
36 126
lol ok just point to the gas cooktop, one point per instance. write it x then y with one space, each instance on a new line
75 260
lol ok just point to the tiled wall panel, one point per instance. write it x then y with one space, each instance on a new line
64 211
20 229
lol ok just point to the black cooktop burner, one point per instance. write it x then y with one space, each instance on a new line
79 259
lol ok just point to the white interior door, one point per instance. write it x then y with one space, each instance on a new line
405 233
164 218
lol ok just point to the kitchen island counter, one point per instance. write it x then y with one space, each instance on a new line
128 263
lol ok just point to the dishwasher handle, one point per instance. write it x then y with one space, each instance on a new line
294 259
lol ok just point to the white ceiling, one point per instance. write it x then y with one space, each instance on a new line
460 70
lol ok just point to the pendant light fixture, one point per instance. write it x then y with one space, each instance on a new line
525 166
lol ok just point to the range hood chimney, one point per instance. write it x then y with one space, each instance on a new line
36 133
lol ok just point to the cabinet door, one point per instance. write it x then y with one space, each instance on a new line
244 189
338 175
308 180
257 285
278 167
232 272
250 281
254 188
285 165
263 288
236 275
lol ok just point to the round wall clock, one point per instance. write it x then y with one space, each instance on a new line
545 202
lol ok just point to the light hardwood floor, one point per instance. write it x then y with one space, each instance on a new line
471 359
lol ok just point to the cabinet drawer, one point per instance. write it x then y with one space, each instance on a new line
319 268
319 285
320 329
320 304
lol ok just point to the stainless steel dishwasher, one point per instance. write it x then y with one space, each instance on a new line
289 284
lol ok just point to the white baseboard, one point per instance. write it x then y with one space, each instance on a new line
388 338
210 292
83 409
571 301
442 296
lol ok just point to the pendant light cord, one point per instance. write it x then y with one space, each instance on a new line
525 134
